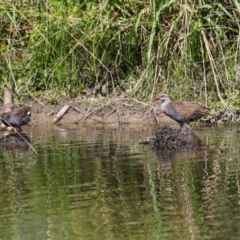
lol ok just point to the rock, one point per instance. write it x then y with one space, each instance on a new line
170 138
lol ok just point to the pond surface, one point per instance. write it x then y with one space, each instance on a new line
98 182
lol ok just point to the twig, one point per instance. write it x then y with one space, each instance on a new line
236 120
114 110
26 140
77 110
88 115
119 118
37 100
154 114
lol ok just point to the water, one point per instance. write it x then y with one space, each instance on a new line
97 182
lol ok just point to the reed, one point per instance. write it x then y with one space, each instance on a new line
187 48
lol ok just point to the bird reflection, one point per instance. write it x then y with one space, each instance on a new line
16 142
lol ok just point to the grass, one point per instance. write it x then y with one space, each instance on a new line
189 49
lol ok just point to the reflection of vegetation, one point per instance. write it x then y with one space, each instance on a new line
106 187
190 47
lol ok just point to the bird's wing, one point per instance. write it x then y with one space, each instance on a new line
191 111
21 112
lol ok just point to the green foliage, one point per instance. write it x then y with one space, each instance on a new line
187 48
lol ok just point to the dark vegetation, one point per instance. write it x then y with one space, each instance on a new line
67 48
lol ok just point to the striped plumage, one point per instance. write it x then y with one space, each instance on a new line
180 111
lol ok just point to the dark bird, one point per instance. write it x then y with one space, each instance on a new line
180 111
17 117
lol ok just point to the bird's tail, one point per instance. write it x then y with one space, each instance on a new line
213 113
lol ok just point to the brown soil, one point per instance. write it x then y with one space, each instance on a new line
115 111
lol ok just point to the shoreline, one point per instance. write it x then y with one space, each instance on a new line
114 112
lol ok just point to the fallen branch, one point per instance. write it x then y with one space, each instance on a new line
77 110
61 113
113 111
7 100
89 114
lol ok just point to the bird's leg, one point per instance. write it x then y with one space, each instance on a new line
186 126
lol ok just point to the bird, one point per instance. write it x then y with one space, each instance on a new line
17 117
180 111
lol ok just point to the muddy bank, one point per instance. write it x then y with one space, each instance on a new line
115 111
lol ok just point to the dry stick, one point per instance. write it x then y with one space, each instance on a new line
88 115
154 114
119 119
145 112
61 113
156 74
113 111
7 100
235 120
37 100
144 104
26 141
214 69
77 110
204 74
